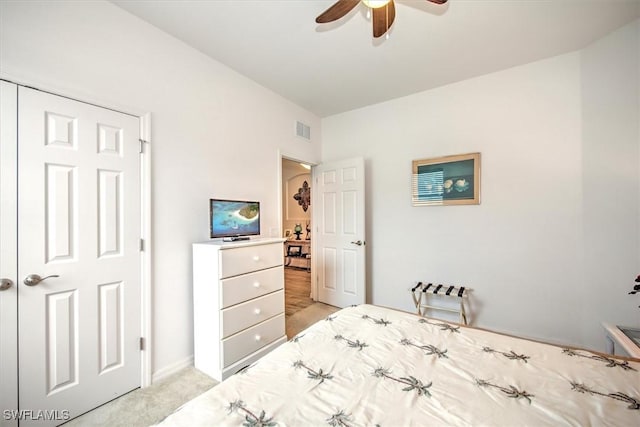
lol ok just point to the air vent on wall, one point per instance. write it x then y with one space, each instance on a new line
303 131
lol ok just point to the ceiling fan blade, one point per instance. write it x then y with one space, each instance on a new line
337 11
383 18
438 1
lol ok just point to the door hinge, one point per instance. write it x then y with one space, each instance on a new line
141 343
141 245
142 142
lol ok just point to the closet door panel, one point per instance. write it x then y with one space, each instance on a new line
8 253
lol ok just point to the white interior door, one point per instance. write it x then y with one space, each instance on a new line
340 232
8 254
79 222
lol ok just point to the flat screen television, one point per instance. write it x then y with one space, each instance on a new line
233 218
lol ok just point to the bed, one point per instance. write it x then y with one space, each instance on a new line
372 366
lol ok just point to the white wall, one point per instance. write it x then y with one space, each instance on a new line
214 132
611 175
532 250
542 244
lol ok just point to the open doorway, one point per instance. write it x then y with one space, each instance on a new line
296 226
301 310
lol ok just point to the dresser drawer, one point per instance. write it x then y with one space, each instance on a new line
246 342
241 316
245 259
248 286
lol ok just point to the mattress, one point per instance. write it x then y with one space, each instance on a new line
372 366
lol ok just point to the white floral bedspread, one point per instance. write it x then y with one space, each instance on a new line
368 366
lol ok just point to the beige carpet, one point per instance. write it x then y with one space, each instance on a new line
147 406
307 317
144 407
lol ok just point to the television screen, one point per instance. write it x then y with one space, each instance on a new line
229 218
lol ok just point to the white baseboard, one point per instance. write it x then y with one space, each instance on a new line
167 371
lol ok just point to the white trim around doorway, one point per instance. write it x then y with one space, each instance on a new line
146 309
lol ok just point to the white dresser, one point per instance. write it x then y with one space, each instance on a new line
238 303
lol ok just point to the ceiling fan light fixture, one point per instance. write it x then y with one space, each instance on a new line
375 4
382 11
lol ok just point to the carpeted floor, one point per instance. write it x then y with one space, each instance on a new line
307 317
147 406
144 407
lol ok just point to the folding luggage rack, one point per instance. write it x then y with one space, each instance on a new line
422 293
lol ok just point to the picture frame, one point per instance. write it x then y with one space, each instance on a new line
446 180
287 233
294 250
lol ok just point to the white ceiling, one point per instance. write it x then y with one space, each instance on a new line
336 67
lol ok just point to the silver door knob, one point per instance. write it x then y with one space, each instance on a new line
358 242
34 279
5 284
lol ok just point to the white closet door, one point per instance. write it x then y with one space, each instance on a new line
8 255
79 220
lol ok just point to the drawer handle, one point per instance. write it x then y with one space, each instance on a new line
258 337
256 284
257 311
256 258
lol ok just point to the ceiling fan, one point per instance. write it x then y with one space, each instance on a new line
383 11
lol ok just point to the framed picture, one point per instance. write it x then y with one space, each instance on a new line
287 233
448 180
293 250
